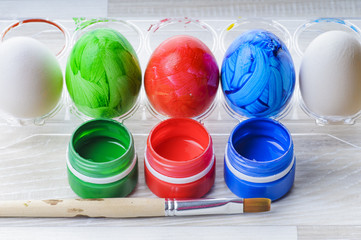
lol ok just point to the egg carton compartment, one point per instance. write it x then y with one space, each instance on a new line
33 156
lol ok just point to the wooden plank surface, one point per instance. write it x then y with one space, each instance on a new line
323 203
234 8
152 233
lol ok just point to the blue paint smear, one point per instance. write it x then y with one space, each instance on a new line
335 20
258 75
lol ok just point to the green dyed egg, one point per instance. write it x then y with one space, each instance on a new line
103 74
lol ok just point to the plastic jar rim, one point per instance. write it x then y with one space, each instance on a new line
102 121
178 164
261 163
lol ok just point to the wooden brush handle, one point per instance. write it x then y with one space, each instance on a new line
109 207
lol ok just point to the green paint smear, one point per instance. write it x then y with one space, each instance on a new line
103 74
82 22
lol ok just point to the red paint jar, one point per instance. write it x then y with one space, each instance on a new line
179 159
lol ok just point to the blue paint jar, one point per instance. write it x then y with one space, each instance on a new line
259 159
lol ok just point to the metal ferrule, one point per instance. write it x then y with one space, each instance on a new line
175 207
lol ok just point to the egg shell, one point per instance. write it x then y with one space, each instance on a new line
103 74
258 75
330 75
31 80
182 77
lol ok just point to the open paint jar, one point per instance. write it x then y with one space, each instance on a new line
259 159
102 161
179 159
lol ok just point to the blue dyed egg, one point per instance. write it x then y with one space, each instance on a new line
258 75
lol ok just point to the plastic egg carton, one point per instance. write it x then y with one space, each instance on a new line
33 152
146 35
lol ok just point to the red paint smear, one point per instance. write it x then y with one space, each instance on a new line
155 29
165 20
158 25
35 20
150 27
182 77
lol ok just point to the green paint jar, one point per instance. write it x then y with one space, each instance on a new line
102 161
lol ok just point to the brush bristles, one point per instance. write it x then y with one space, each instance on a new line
256 205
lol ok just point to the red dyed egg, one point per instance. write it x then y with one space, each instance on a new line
182 76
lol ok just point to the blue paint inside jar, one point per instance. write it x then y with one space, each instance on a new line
259 159
258 75
259 147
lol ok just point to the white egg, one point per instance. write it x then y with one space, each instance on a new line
330 76
31 79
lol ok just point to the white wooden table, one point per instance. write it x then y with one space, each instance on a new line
323 203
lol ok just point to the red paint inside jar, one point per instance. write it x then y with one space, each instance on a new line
179 148
182 77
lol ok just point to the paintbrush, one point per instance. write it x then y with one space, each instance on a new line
130 207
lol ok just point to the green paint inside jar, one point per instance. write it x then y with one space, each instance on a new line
103 74
101 149
93 149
